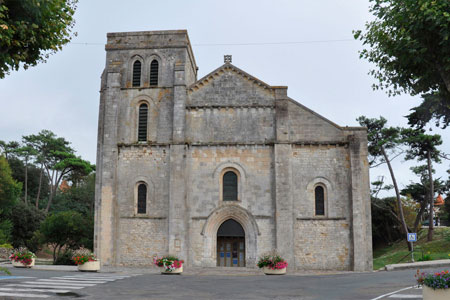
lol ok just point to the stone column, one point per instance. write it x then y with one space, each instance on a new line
105 194
178 227
361 214
284 217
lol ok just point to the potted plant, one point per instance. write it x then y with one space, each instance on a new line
86 260
169 264
435 286
22 258
272 264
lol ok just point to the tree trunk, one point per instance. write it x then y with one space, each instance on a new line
39 188
26 182
397 194
50 197
430 175
420 214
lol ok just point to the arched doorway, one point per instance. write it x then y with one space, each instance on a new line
230 244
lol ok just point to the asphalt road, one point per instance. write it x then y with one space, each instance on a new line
349 286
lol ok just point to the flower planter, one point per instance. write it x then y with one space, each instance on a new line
90 266
432 294
175 271
18 264
269 271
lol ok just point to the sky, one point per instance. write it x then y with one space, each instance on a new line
304 44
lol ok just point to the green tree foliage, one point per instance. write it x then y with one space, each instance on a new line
80 197
382 139
31 30
423 147
9 188
67 230
409 43
26 220
386 227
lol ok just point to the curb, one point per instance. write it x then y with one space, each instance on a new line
419 265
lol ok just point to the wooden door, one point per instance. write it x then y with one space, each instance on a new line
231 251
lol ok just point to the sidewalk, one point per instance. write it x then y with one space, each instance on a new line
419 265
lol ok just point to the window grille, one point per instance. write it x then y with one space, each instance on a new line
319 194
154 73
142 126
230 186
137 73
142 199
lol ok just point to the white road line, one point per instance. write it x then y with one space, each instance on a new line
62 283
405 296
23 295
388 294
46 286
33 290
73 281
84 279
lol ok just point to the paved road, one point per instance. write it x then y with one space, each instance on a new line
129 285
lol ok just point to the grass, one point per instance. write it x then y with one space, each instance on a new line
398 252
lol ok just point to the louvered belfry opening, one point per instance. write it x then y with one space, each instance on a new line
230 186
319 194
137 73
142 127
154 73
142 199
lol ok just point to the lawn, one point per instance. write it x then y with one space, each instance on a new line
439 248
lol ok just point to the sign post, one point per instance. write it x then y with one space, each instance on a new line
412 237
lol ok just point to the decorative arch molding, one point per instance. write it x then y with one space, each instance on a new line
237 168
131 61
310 190
212 224
150 192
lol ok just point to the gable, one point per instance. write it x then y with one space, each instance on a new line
230 86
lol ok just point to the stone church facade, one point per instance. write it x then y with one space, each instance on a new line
222 169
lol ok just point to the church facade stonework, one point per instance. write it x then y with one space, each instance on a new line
222 169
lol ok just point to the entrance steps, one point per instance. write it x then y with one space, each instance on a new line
218 271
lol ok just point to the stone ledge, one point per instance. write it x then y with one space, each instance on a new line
322 219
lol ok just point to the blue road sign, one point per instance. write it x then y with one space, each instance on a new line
412 237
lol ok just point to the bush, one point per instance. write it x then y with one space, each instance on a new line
26 220
65 258
5 231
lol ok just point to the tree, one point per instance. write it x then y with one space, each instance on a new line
409 43
423 147
32 30
420 191
68 230
9 188
26 220
382 139
26 153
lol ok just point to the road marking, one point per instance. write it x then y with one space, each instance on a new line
405 296
73 281
62 283
14 277
33 290
84 278
46 286
388 294
23 295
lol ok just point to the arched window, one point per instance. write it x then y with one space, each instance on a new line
319 195
142 126
142 199
154 73
230 186
137 73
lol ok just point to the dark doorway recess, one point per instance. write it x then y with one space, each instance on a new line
230 244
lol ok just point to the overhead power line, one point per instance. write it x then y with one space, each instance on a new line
244 44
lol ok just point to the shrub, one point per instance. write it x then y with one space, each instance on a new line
65 258
273 261
425 257
26 220
439 280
